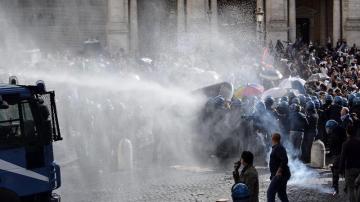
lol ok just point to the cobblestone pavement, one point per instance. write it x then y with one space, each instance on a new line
176 184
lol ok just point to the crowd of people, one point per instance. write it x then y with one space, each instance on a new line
329 111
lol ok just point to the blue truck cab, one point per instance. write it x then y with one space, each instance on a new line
28 128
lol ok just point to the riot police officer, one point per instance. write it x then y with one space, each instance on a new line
298 123
328 102
269 102
283 116
310 132
333 112
337 136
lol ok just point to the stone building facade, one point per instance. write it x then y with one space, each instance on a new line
137 26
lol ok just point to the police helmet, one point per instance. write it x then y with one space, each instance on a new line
240 192
295 100
302 99
345 102
310 106
283 107
219 101
285 98
317 104
294 107
338 100
260 107
356 102
351 97
313 98
330 126
269 101
236 103
329 99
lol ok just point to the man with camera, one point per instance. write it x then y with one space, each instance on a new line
248 175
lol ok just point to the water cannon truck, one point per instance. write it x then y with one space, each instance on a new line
28 129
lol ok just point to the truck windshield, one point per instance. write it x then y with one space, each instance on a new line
10 122
15 124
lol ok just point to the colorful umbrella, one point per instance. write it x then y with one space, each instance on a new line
249 90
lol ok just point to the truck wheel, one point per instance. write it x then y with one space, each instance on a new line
8 196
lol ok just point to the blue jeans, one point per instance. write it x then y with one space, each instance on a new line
277 186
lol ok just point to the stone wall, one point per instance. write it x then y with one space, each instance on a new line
351 21
60 24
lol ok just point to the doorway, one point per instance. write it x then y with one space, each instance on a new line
303 29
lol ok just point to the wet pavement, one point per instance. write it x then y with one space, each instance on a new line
177 183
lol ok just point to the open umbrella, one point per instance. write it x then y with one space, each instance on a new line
318 77
278 92
271 74
249 90
288 83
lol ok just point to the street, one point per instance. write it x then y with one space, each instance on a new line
179 183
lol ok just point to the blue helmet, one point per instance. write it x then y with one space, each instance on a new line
345 102
356 102
236 103
329 99
351 97
285 98
357 94
317 104
294 107
269 101
283 107
313 98
295 100
240 192
338 100
219 101
310 106
331 124
308 99
260 107
302 99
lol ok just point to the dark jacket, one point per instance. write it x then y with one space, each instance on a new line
279 159
336 139
350 154
334 112
313 120
249 176
298 121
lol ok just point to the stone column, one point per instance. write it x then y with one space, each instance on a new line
351 17
276 20
181 18
134 38
292 21
336 21
214 17
260 25
323 34
118 26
